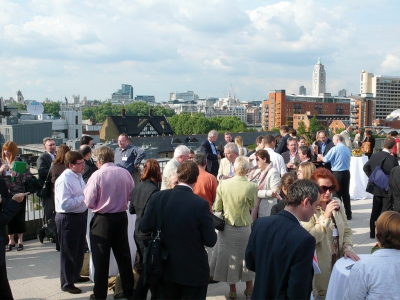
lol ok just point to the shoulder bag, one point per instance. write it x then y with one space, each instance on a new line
44 191
153 262
379 178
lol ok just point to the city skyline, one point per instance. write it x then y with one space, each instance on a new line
210 47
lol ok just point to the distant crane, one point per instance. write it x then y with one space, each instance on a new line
233 92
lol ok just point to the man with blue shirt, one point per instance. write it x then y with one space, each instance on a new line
129 157
339 157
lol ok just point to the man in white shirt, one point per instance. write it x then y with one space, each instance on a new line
181 154
71 221
276 159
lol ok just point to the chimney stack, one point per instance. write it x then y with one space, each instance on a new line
150 112
123 113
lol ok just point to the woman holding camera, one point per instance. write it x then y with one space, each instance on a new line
331 231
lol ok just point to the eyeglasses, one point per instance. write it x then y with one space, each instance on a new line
324 188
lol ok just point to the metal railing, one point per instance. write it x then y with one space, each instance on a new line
34 208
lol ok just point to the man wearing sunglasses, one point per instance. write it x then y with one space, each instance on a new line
339 157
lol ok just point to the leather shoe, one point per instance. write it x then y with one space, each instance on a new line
41 235
122 295
92 297
82 279
71 289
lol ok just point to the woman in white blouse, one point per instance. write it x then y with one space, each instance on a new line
268 179
376 277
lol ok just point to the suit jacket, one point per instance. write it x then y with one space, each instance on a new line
328 147
286 159
187 227
90 168
280 251
394 188
282 146
346 139
8 209
224 168
43 164
212 159
376 160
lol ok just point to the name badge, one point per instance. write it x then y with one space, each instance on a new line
8 173
335 232
124 158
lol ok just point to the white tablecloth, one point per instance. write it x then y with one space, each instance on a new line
340 278
113 269
358 179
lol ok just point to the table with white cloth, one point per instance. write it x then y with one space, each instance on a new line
358 179
113 269
340 278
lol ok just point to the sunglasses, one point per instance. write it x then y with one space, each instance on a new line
324 188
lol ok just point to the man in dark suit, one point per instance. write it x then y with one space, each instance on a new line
43 164
10 209
186 229
281 148
280 251
324 145
291 157
209 149
221 147
394 188
90 166
381 200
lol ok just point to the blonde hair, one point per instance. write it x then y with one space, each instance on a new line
239 143
241 165
306 169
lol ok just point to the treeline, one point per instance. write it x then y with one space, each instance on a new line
100 113
196 123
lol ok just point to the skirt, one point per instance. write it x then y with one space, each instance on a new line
227 262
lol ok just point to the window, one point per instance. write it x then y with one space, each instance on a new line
76 120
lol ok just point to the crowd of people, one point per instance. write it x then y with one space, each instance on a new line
284 205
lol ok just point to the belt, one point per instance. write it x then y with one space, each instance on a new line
71 213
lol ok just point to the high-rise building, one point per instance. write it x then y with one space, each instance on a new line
128 89
385 90
279 109
185 96
302 90
342 93
318 79
362 110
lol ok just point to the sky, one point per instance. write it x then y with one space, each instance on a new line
59 48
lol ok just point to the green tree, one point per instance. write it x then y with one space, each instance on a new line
52 108
21 106
301 129
314 125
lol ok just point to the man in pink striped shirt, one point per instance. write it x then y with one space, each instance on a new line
107 193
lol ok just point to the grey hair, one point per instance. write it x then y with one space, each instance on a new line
301 189
290 139
232 147
212 133
200 159
181 150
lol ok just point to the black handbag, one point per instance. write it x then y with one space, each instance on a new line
153 263
218 223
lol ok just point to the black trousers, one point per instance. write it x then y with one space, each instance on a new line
71 230
110 231
343 179
170 290
5 290
379 205
17 223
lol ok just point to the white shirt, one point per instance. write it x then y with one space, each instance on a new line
68 193
375 277
277 161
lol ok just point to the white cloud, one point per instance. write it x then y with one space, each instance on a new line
390 64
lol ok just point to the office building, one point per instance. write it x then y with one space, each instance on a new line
302 90
385 91
318 79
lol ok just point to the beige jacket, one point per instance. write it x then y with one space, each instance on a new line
321 229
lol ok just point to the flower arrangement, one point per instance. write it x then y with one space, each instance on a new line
376 247
357 152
